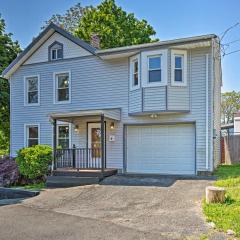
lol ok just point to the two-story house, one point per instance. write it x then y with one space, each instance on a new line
149 108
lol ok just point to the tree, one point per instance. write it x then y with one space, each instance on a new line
70 20
8 52
230 104
114 26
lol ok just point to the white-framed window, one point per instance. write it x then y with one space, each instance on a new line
64 135
32 90
32 134
62 87
134 72
56 51
178 68
154 68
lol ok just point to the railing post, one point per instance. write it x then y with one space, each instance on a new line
102 144
74 156
54 165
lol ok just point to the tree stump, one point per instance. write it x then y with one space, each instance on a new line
215 194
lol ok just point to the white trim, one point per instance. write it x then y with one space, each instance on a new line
55 49
26 90
26 125
184 67
55 90
131 67
70 131
206 84
164 68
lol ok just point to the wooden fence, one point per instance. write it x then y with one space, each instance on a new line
230 146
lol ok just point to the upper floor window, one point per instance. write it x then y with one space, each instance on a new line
32 135
179 68
154 69
134 72
62 87
32 90
56 51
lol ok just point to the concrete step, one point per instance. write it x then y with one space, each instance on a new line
70 181
84 173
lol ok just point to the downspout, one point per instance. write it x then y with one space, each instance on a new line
212 103
207 155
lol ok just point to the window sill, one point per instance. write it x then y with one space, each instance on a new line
155 84
31 104
175 84
53 60
134 88
62 102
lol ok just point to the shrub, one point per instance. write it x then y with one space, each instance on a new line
33 161
9 173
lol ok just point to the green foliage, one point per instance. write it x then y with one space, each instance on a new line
4 116
114 26
70 20
33 161
226 216
8 51
35 186
230 104
8 48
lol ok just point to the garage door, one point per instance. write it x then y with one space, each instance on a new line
165 149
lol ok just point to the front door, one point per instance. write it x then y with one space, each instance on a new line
94 142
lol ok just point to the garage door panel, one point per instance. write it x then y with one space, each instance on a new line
168 149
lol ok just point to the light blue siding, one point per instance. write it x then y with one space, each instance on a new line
99 84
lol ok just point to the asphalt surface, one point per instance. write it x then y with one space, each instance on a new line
119 208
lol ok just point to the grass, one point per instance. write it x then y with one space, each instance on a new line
34 187
227 215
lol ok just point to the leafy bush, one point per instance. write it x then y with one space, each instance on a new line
33 161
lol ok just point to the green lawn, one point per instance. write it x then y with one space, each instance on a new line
34 187
226 216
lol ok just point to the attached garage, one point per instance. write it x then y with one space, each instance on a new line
163 149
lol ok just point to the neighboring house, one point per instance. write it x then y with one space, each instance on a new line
237 123
227 129
157 105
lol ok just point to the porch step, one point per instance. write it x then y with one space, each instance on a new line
84 173
70 181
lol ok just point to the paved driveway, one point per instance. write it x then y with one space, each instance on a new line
119 208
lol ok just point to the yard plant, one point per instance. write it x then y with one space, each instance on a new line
226 216
33 162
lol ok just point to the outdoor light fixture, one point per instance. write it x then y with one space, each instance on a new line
76 128
112 125
153 116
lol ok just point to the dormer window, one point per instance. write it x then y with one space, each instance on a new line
56 51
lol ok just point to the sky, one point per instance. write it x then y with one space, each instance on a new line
171 19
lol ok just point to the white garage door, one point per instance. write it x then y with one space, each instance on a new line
166 149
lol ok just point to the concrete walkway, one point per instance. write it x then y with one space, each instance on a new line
119 208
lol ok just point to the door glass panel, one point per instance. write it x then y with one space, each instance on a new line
96 142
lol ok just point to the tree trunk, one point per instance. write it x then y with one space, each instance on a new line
215 194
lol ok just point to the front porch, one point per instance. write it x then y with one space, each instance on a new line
83 161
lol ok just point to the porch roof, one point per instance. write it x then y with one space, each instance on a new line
113 113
